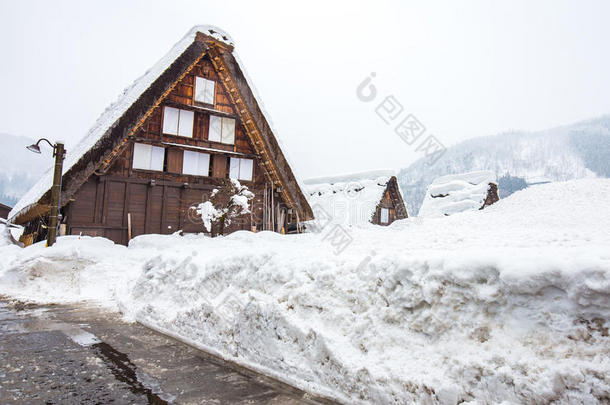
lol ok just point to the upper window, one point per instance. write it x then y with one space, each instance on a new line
204 90
177 122
222 129
385 215
196 163
241 169
148 157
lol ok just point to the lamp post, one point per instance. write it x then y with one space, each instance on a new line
59 153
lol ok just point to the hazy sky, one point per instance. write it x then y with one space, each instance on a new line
463 68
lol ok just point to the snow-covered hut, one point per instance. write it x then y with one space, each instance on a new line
455 193
357 199
184 128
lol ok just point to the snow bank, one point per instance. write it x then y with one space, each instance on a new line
448 195
506 304
74 269
5 236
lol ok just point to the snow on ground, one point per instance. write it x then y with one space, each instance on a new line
448 195
510 303
74 269
5 236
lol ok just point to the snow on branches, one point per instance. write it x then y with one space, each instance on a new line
226 203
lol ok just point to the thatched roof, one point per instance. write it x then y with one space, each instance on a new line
454 193
351 199
114 127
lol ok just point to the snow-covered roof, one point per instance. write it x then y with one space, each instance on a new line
113 113
110 117
455 193
343 178
349 199
537 179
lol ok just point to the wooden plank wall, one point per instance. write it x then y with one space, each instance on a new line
160 208
386 202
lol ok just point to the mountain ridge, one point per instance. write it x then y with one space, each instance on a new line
566 152
19 167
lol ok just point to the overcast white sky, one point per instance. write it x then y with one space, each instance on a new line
464 68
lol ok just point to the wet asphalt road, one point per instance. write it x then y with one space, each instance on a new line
80 354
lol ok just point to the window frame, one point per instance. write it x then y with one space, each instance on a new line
198 155
222 126
239 168
180 112
381 211
206 83
151 148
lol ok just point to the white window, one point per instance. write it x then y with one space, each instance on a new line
385 215
178 122
204 90
148 157
241 169
222 129
196 163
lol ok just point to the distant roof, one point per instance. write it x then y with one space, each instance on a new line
141 90
455 193
349 199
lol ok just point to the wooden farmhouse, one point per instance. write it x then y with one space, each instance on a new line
357 199
186 127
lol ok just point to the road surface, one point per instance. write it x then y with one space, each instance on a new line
81 354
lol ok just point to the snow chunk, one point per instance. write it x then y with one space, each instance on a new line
208 214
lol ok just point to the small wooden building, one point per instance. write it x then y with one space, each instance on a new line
4 210
454 193
357 199
186 127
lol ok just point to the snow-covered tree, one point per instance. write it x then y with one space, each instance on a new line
226 203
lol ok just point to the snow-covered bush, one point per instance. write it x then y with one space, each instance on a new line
226 203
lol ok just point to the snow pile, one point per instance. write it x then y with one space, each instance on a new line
74 269
349 199
511 304
5 236
506 304
9 233
448 195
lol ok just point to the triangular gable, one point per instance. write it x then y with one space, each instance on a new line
112 130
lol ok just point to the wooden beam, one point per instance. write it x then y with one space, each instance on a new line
246 118
119 148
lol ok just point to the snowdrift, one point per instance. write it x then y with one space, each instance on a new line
506 304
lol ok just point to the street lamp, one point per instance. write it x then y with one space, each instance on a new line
59 153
